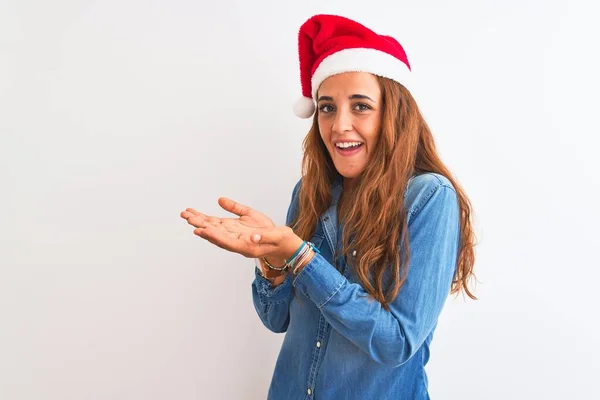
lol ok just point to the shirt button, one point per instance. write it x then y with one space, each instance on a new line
354 253
326 218
318 344
309 391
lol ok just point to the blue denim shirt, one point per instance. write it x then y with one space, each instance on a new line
340 344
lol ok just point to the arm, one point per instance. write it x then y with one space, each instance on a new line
272 302
392 337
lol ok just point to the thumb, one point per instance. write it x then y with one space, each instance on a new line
267 236
233 206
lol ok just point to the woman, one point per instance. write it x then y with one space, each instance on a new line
377 234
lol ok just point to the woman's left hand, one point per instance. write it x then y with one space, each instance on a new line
252 235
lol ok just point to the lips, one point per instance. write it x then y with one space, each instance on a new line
350 151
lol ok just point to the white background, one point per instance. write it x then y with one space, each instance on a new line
117 115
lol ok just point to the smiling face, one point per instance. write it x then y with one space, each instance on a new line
349 107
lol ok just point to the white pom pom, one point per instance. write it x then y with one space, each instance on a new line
304 107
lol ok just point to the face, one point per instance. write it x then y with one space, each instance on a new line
349 113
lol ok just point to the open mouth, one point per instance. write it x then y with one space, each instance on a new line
349 151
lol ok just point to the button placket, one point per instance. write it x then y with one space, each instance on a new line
317 356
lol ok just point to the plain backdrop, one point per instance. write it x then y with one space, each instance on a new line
117 115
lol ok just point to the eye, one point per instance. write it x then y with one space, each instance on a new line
362 107
326 108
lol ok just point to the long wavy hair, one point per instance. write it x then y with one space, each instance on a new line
404 148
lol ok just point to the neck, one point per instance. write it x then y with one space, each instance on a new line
349 184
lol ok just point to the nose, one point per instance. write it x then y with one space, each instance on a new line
342 122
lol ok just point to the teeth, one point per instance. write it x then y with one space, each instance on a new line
345 145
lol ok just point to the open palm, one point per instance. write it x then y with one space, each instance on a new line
233 234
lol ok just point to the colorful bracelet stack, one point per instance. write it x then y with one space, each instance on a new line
295 260
301 255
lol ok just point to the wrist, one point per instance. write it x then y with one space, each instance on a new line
278 280
290 244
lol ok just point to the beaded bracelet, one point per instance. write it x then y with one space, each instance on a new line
280 269
295 260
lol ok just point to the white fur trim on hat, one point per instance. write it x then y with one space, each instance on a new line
304 107
361 60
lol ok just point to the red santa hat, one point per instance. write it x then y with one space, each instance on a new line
330 44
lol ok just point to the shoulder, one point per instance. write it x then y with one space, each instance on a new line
297 186
421 189
292 208
427 181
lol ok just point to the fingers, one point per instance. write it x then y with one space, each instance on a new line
234 207
190 212
198 219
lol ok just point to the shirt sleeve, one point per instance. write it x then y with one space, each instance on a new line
272 304
393 337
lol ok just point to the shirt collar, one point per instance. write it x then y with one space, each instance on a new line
337 188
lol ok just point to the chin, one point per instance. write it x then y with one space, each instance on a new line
350 175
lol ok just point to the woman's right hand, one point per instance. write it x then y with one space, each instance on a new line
249 220
247 223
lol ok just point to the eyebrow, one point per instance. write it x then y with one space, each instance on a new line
352 97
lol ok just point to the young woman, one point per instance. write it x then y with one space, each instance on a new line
377 234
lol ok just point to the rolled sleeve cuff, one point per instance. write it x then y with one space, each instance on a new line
319 280
268 294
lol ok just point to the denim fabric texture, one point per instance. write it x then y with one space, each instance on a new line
340 344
